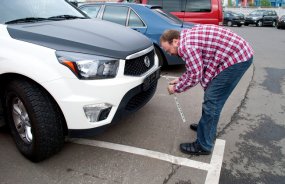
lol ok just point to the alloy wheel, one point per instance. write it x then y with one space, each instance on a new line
22 120
273 23
259 23
230 24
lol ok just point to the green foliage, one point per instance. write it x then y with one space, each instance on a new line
230 3
251 4
265 3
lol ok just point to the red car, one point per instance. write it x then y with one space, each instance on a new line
198 11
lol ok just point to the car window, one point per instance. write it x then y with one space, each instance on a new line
155 2
256 13
198 6
91 11
169 5
265 13
19 9
272 13
167 16
116 14
134 20
235 14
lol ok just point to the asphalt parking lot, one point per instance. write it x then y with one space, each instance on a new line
143 147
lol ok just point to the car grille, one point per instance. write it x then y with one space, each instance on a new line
137 66
140 99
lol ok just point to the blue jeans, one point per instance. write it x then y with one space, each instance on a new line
216 94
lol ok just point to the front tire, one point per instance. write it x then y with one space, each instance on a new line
273 24
34 120
229 23
259 23
161 59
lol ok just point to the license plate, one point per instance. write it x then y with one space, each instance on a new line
151 79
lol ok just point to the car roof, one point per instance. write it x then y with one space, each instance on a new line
231 12
123 3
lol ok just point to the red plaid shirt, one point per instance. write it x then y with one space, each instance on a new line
207 51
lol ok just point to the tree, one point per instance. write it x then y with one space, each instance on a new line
265 3
229 3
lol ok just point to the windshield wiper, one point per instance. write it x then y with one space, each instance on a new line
27 19
64 17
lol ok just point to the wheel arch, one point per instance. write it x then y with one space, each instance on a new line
6 78
160 54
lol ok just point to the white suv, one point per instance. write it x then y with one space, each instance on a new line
62 74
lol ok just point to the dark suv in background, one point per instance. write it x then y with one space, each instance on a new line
262 18
232 18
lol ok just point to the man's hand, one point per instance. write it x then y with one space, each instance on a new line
175 81
170 89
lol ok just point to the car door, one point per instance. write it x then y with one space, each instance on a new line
135 22
274 16
124 16
201 11
226 17
116 14
267 18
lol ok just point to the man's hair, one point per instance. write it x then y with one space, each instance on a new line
169 35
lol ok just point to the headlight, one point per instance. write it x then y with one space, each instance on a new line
86 66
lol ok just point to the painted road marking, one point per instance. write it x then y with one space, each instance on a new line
213 168
176 100
168 76
216 162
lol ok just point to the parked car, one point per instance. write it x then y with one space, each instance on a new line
281 22
61 77
197 11
149 20
232 18
262 18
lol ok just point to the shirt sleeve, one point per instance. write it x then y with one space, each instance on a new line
194 69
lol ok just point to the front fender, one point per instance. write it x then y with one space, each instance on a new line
35 62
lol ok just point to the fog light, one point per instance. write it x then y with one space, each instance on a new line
97 112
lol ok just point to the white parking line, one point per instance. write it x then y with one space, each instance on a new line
168 76
213 168
213 175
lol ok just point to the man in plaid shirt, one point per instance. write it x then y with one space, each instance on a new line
216 58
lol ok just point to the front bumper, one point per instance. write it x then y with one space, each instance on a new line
250 21
238 22
124 93
131 102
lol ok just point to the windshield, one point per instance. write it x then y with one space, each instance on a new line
256 13
20 9
235 14
168 16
